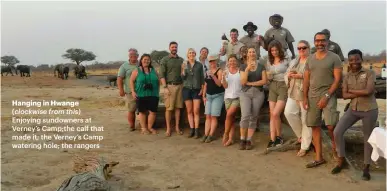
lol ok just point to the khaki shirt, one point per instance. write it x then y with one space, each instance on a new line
281 34
359 81
233 48
253 42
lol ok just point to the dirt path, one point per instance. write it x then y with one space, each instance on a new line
154 162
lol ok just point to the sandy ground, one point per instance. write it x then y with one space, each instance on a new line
154 162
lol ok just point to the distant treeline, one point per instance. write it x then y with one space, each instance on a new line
156 56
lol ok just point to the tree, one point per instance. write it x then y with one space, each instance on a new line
78 55
9 60
158 55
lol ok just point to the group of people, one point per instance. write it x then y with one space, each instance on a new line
302 87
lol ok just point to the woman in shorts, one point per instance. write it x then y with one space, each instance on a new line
144 83
276 66
193 83
232 84
213 97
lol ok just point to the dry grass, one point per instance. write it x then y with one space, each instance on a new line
97 72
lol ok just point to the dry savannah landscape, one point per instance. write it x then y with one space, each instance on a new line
153 162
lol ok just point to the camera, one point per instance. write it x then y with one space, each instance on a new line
148 86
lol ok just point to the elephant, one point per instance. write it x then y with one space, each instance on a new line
8 69
56 69
24 69
80 71
63 71
112 78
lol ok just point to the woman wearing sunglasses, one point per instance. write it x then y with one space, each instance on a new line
293 108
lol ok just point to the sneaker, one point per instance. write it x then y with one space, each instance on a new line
204 138
197 136
248 145
192 133
242 145
271 144
278 141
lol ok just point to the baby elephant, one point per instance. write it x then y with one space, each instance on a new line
112 78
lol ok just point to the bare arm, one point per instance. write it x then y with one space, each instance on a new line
132 80
370 89
217 81
120 83
204 90
336 83
306 83
261 82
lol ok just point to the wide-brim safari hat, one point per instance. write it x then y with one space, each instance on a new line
276 15
250 24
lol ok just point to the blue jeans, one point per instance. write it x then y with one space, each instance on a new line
214 104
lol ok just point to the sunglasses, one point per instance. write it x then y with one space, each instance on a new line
302 48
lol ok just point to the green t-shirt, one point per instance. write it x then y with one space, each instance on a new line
321 73
142 79
124 72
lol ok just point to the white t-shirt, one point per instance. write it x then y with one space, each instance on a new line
234 85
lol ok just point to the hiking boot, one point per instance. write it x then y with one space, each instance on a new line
278 141
242 145
204 138
197 136
248 145
209 139
271 144
192 133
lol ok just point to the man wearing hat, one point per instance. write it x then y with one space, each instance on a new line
252 39
332 46
279 33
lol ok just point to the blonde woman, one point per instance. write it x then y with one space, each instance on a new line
232 84
253 77
193 83
294 111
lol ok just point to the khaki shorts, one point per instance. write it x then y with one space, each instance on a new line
231 102
130 103
278 91
175 100
314 114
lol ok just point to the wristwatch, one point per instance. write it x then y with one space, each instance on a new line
327 95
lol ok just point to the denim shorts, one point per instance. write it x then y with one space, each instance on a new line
214 104
191 94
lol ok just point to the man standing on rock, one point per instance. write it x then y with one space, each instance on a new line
321 79
252 39
279 33
172 82
123 76
233 46
332 46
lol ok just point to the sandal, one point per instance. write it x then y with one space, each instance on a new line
153 131
168 134
144 131
301 153
229 142
225 140
178 131
315 163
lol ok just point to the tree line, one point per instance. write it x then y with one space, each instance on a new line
77 56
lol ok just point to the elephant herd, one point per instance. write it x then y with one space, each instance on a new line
24 70
63 71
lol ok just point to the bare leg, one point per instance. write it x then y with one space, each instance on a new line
144 129
229 124
168 121
177 121
196 111
151 121
207 127
188 105
272 121
214 124
317 142
131 119
279 108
